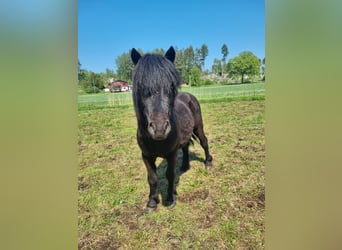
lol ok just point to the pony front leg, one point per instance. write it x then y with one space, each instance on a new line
152 181
170 175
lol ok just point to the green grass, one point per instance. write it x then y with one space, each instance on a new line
251 91
236 90
220 209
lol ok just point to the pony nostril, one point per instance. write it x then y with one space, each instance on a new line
167 124
150 125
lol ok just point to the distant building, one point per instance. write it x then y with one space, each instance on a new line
118 86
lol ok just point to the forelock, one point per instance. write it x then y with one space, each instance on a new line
154 72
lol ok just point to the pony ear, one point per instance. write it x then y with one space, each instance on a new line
170 54
135 56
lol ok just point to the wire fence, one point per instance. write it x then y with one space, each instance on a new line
205 94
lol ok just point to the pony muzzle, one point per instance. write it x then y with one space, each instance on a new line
159 130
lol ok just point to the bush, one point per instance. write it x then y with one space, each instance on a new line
207 82
91 90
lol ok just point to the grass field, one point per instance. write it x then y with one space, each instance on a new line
249 91
220 209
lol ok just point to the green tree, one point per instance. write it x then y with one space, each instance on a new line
195 76
217 67
124 67
263 69
198 58
109 73
92 82
245 64
204 53
82 73
91 86
179 61
101 80
225 52
189 62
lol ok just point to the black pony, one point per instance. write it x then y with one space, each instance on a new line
166 119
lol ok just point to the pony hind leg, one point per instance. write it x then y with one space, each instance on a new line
204 143
185 161
170 175
198 130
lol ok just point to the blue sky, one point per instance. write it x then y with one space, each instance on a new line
108 28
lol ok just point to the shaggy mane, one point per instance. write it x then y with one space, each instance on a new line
154 72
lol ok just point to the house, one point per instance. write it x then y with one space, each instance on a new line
118 86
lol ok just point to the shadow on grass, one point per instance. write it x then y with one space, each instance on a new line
161 173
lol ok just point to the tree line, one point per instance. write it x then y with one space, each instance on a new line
190 63
92 82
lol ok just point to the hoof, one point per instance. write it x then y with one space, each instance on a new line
153 202
208 163
150 210
173 204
